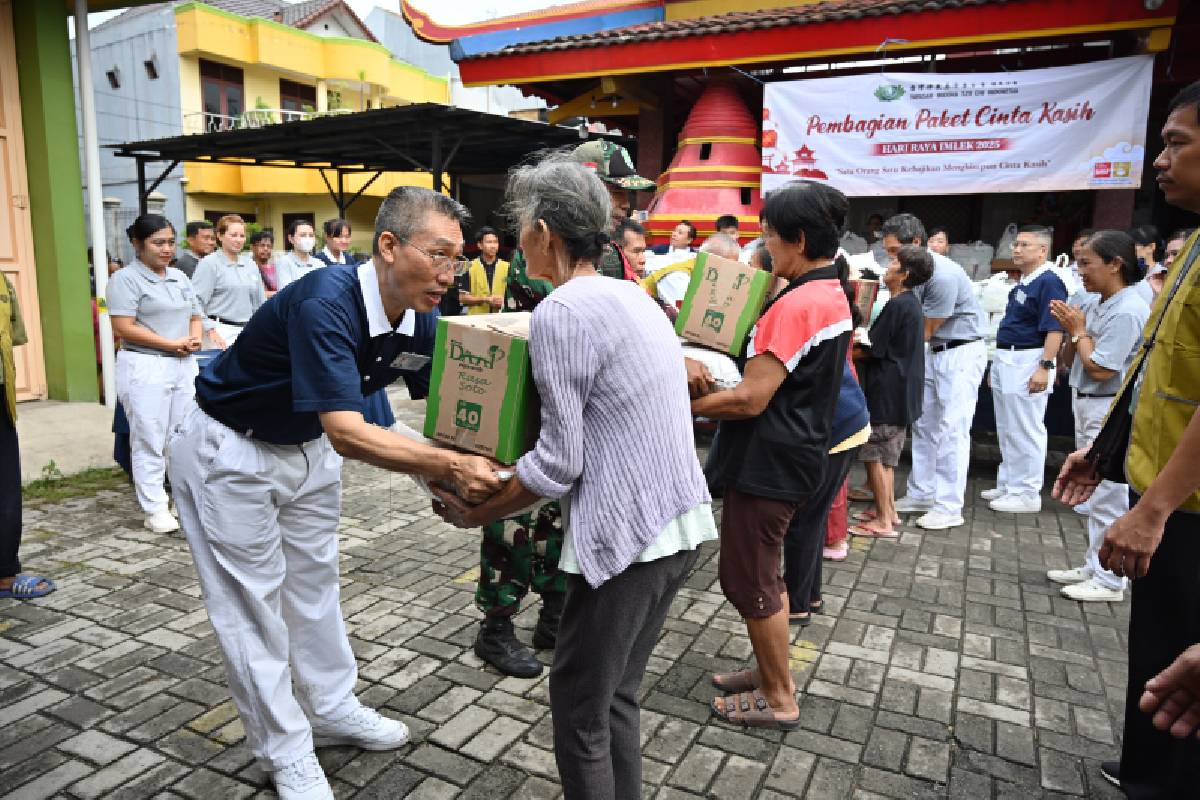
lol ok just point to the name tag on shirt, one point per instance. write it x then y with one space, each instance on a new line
410 362
1021 297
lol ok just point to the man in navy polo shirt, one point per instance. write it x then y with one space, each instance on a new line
256 471
1023 372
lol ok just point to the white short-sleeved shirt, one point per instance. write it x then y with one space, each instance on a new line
231 290
164 304
950 295
1116 329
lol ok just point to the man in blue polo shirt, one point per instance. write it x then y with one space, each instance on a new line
256 471
1023 373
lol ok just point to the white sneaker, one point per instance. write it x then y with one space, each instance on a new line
1069 576
161 522
303 779
363 727
1017 504
1092 591
909 505
939 521
993 494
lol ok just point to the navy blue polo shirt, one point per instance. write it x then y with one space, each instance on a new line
321 344
1027 318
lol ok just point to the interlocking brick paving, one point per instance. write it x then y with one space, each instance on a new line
945 666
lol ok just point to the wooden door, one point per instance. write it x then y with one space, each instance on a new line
16 236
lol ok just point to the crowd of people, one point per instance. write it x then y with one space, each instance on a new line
605 515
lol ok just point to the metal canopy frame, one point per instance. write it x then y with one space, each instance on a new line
425 137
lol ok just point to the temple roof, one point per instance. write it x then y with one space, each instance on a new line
738 22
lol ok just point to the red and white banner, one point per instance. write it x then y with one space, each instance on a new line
1081 127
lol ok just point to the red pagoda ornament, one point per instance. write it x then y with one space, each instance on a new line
717 170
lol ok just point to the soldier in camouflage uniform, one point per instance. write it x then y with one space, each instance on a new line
521 553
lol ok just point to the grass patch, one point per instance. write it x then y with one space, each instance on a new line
53 486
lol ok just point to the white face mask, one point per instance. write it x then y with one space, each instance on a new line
305 244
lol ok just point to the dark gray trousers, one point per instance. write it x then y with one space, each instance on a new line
604 641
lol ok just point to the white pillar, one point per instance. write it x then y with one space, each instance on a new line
95 195
322 95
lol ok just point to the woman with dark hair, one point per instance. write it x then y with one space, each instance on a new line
299 260
1103 338
228 283
1146 243
616 446
337 242
262 243
771 452
156 313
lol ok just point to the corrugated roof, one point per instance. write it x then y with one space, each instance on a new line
738 22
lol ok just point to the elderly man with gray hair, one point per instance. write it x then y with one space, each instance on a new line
616 448
256 470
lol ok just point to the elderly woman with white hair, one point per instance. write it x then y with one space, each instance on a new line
616 448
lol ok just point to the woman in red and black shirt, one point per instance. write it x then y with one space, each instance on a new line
772 447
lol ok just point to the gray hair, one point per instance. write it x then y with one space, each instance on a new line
405 210
905 227
723 245
568 197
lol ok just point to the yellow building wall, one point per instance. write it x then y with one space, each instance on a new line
228 179
269 213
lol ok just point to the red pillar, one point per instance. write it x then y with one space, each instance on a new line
651 147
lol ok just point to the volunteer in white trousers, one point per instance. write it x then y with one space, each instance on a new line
256 470
158 319
228 283
1104 336
955 358
1022 375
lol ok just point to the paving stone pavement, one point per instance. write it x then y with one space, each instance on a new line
945 666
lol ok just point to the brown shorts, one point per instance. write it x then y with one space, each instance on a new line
752 531
885 445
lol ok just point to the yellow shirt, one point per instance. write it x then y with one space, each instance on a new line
479 283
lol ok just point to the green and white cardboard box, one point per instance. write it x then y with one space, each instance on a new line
722 303
481 392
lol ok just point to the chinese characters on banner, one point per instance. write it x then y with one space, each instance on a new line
1080 127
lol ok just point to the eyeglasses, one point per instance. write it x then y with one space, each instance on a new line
1023 245
442 263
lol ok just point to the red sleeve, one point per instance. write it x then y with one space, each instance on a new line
801 320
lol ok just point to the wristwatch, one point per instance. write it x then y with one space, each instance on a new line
1075 339
1046 364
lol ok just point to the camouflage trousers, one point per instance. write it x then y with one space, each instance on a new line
518 554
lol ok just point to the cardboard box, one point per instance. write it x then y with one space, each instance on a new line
722 303
482 398
865 293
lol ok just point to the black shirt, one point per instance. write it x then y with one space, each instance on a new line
894 375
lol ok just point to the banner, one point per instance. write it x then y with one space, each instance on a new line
1080 127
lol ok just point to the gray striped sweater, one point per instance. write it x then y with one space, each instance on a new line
616 435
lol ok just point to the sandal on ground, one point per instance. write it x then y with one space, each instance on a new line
873 533
751 710
817 607
800 619
871 516
736 682
25 587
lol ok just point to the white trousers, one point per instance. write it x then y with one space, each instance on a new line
941 437
261 521
155 392
1020 422
228 332
1109 501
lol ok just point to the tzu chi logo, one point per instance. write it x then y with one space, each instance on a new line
888 93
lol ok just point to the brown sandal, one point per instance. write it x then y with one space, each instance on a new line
751 710
735 682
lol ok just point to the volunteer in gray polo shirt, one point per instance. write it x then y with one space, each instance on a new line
955 359
299 260
1103 338
156 314
228 283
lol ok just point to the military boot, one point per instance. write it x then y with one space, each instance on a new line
545 635
497 644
